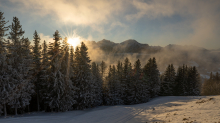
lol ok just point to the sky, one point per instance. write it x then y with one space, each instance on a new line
153 22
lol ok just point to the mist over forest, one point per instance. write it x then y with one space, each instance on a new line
205 60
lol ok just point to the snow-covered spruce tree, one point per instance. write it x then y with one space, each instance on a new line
27 63
37 67
74 76
68 97
152 73
126 83
185 79
181 81
117 86
3 30
140 87
19 61
179 85
60 94
82 72
136 82
102 68
193 82
97 85
168 82
55 79
4 84
56 86
106 91
44 73
113 87
197 83
119 73
5 88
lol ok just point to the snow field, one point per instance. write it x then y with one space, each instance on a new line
175 109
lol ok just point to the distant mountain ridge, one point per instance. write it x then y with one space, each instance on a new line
133 46
205 60
128 46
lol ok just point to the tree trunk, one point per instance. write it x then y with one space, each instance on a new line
16 110
5 111
38 105
28 108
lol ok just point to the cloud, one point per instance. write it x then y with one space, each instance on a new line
199 18
199 21
152 9
46 38
79 12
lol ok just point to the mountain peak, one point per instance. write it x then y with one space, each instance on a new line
130 41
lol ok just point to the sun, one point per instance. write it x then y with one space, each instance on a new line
74 41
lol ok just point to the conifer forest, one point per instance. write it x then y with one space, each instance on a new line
57 77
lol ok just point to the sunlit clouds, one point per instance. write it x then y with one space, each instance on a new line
153 22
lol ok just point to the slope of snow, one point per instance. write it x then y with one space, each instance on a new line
162 109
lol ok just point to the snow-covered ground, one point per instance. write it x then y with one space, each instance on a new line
174 109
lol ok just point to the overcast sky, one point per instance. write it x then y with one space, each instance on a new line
155 22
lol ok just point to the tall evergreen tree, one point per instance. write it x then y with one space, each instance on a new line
3 30
45 73
97 85
179 84
68 97
27 72
103 68
4 84
168 82
60 89
182 84
19 63
119 73
126 82
140 87
114 87
37 68
56 81
107 88
82 70
152 73
193 83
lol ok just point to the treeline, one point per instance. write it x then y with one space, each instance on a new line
184 82
211 86
57 77
127 84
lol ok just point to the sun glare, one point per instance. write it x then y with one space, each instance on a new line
74 41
